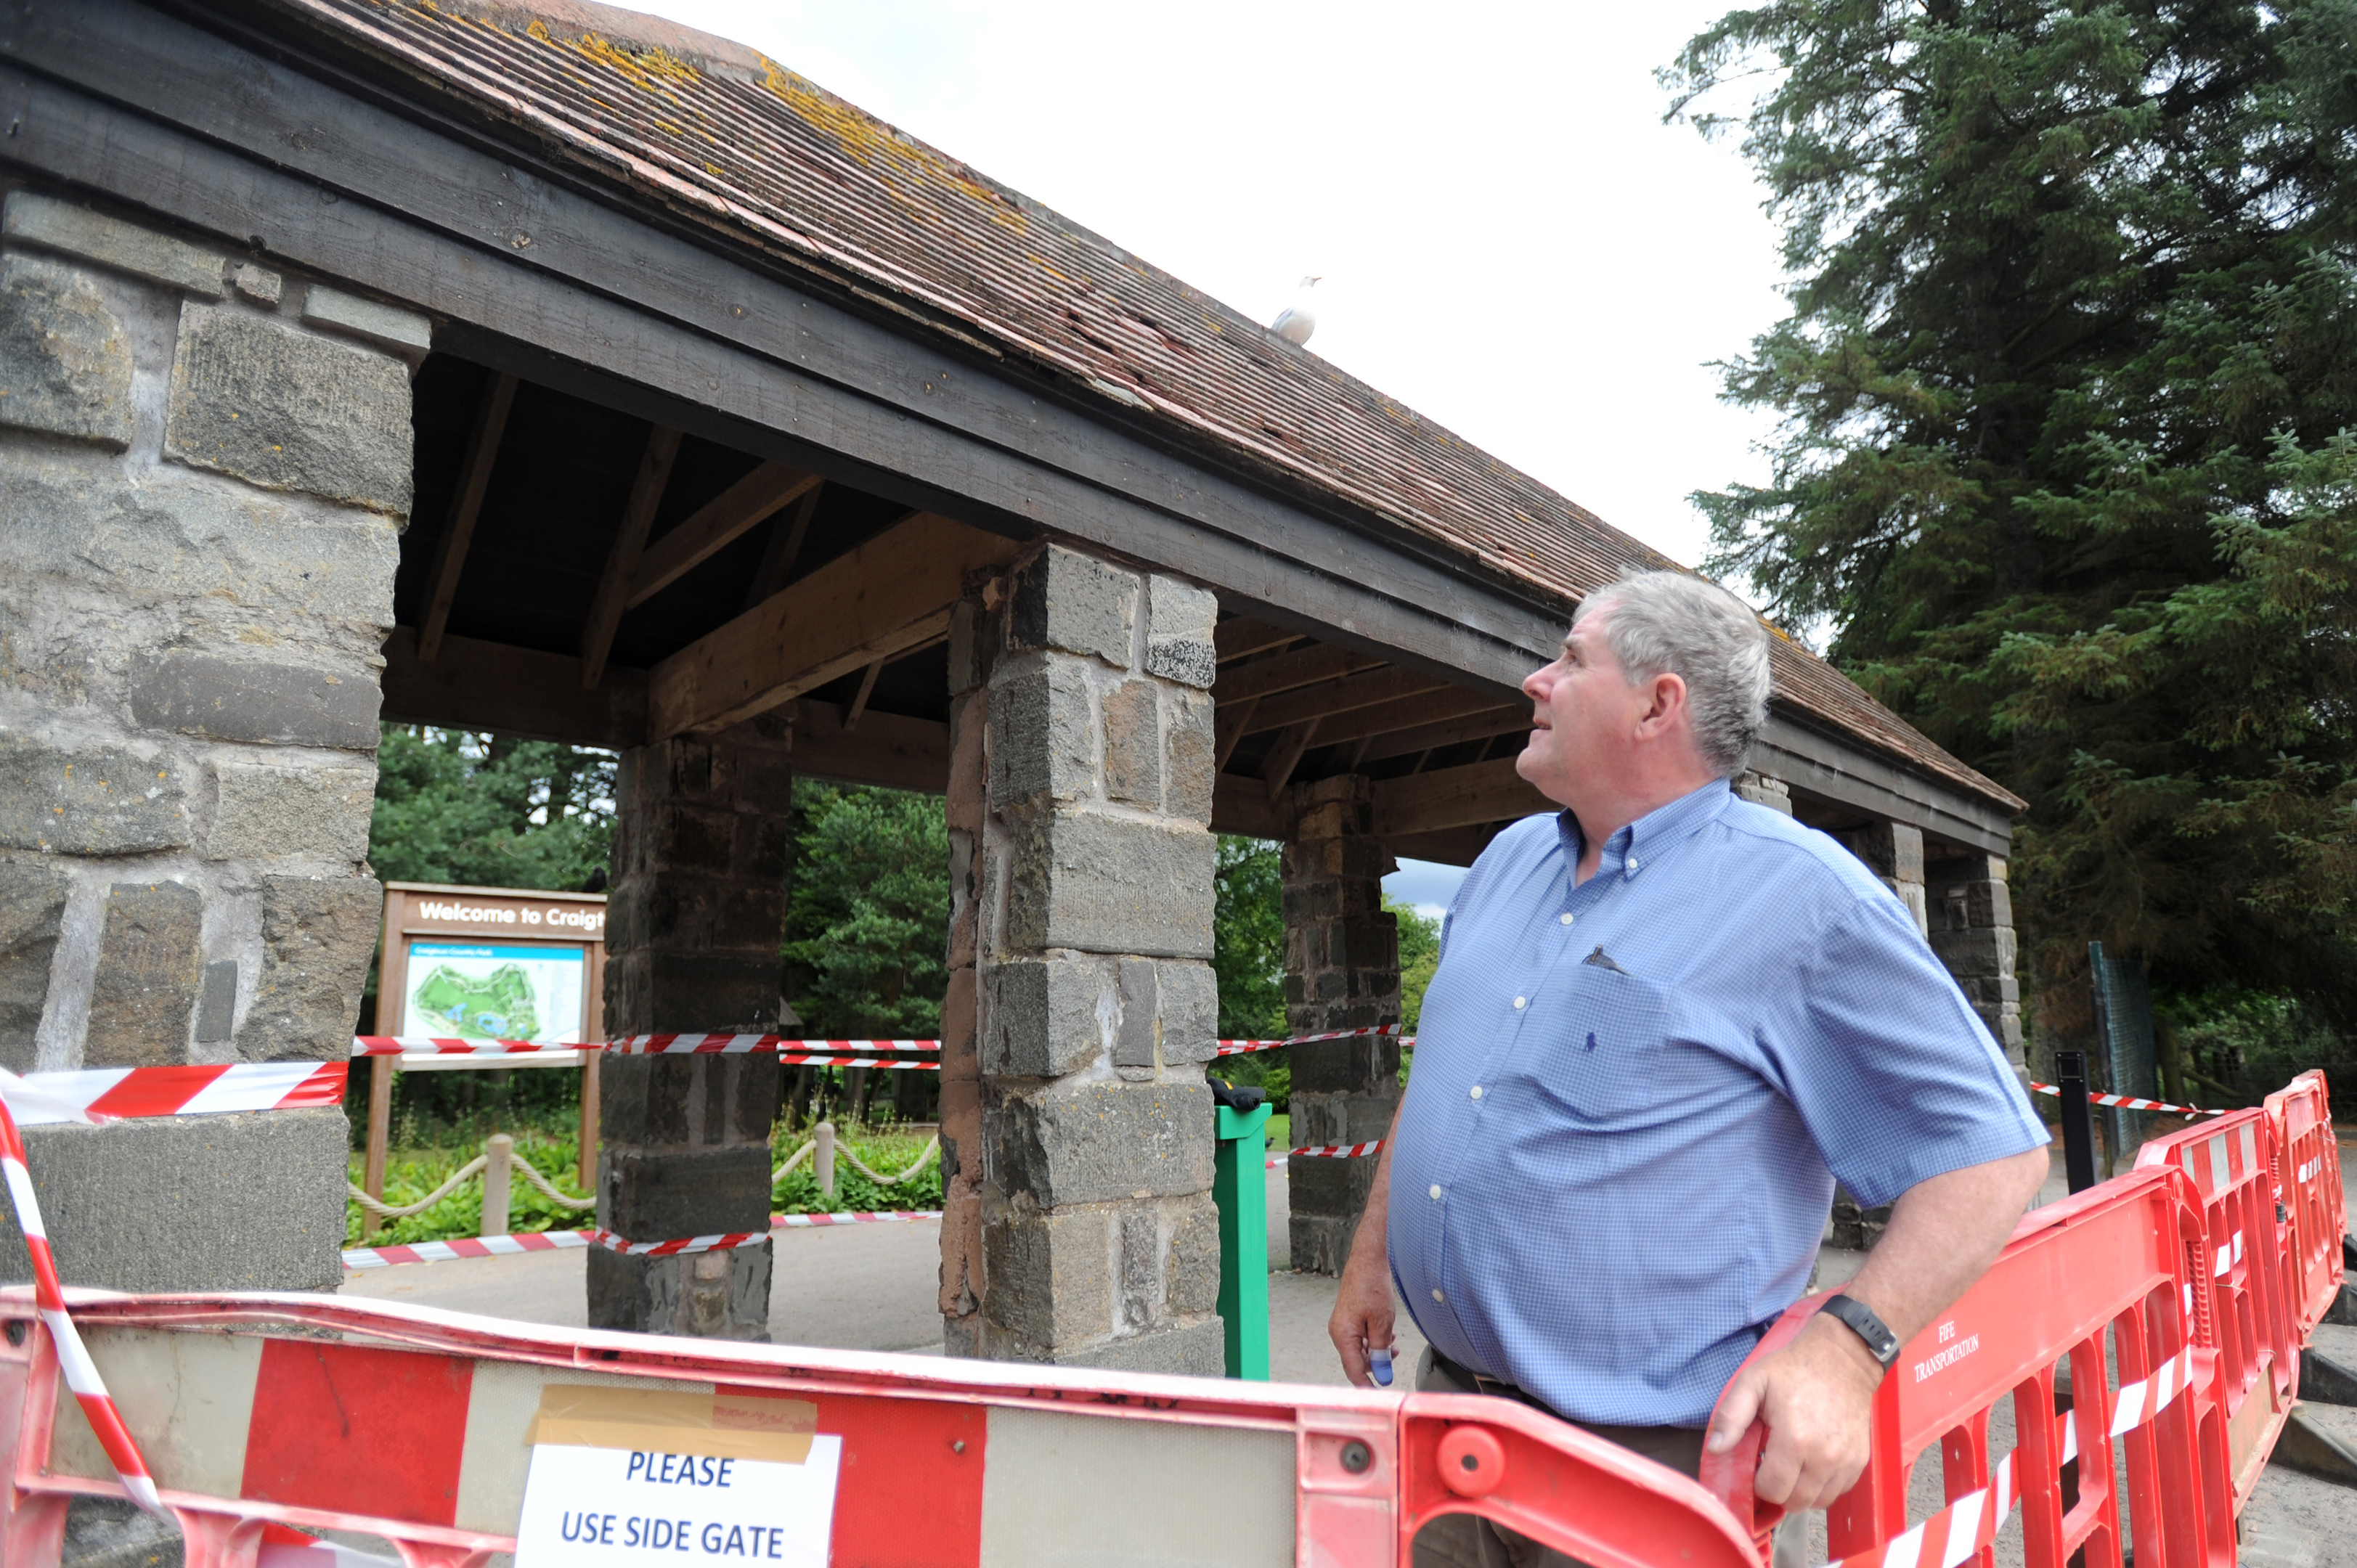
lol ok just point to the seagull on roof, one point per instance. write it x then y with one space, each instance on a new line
1299 320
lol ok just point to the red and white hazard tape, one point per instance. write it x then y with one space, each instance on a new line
876 1216
464 1247
676 1045
794 1052
2130 1103
104 1093
49 1299
435 1045
283 1547
1238 1047
1970 1523
358 1258
1336 1151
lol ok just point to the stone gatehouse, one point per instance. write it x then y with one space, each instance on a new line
573 375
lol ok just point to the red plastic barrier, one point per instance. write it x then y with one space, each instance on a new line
2243 1278
317 1414
2307 1172
2178 1297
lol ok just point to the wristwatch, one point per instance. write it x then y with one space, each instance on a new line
1880 1343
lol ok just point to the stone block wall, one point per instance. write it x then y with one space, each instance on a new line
202 482
703 835
1895 853
1971 913
1076 1126
1342 971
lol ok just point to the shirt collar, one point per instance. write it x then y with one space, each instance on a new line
1643 841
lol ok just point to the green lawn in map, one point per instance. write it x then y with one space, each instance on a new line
494 1006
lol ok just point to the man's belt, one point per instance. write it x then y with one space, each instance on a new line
1483 1383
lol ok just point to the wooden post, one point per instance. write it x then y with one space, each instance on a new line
589 1158
380 1129
825 1154
496 1175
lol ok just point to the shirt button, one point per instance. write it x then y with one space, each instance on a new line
1436 1192
1632 862
1436 1295
1568 919
1521 1003
1477 1091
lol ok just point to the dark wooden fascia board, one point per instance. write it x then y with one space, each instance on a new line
497 242
1870 784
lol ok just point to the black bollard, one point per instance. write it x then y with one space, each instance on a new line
2078 1127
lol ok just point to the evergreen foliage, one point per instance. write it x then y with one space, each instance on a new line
473 810
868 912
2066 460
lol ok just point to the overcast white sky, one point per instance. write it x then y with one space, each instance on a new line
1511 241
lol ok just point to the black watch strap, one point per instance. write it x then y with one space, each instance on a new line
1880 1343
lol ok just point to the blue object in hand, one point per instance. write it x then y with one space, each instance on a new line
1379 1361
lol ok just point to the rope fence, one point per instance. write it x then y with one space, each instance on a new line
499 1163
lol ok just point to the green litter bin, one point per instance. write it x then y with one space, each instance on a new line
1240 1186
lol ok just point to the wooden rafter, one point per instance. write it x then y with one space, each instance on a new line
1351 693
866 690
1289 671
1241 637
785 547
1388 718
466 505
622 560
717 525
888 596
1449 732
1276 770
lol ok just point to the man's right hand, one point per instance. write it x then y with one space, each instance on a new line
1363 1313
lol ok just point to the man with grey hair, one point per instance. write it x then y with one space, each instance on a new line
1664 1021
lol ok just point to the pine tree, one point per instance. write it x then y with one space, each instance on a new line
2065 463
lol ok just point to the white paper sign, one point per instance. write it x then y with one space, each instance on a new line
613 1507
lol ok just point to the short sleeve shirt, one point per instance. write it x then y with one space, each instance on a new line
1631 1100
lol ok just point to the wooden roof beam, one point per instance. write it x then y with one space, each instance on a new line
466 505
1464 797
622 560
1289 671
736 510
1482 725
1386 685
1372 724
884 598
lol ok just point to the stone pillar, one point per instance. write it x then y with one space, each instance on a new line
1972 930
1764 790
204 470
694 917
1342 971
1076 1127
1895 851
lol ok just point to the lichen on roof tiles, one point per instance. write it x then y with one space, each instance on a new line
752 148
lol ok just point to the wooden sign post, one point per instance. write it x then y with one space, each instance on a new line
488 963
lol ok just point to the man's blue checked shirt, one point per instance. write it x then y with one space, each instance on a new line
1630 1098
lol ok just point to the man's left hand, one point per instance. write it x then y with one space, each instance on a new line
1816 1396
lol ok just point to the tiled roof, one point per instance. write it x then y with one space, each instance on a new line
722 135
